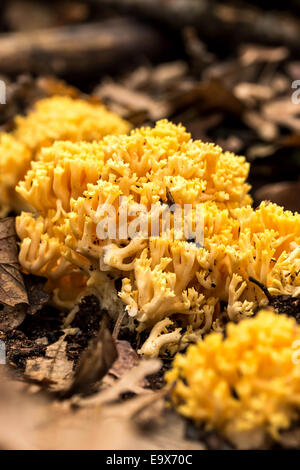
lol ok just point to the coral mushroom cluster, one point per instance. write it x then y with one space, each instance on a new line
70 180
173 287
246 386
56 118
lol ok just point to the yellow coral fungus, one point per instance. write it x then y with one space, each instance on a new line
190 284
56 118
74 179
163 276
14 157
65 118
246 385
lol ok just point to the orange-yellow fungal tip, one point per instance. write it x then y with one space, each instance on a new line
52 119
247 385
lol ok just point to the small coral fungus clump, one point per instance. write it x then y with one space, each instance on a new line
56 118
171 287
245 386
15 158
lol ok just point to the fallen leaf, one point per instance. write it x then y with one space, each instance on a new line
32 422
168 72
209 95
127 359
129 382
251 93
95 361
12 317
261 151
266 129
283 111
53 370
133 100
37 297
251 53
12 288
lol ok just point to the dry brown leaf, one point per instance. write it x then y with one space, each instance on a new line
16 296
283 111
261 151
169 72
29 422
255 53
127 359
13 295
209 95
252 93
132 381
12 288
12 317
266 129
133 100
37 297
111 426
54 370
95 361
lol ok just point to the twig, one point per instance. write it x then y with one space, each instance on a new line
102 46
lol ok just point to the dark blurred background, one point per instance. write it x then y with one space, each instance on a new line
225 70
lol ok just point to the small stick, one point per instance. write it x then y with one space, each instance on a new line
118 325
262 287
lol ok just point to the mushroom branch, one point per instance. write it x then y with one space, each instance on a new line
172 288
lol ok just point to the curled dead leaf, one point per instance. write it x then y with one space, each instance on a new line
12 288
95 361
37 297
